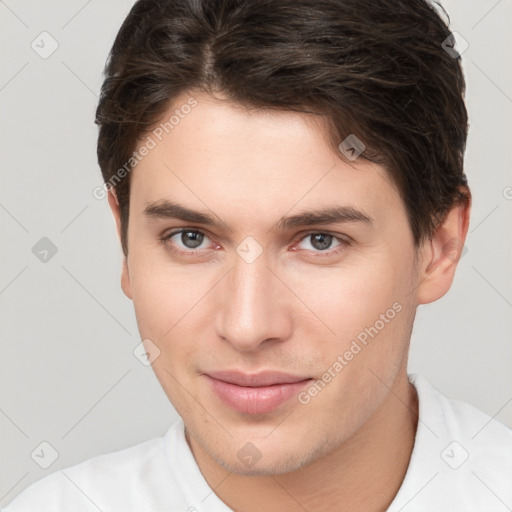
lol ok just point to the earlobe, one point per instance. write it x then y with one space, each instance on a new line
116 212
441 254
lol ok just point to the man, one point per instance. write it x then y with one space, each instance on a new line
287 183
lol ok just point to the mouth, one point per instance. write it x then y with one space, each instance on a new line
255 393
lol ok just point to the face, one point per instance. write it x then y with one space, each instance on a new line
273 307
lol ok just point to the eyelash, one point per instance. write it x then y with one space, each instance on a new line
165 239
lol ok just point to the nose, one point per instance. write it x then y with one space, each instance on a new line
253 306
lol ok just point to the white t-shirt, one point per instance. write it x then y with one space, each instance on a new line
461 461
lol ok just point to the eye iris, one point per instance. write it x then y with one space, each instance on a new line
321 241
191 239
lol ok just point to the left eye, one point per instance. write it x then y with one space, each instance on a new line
320 241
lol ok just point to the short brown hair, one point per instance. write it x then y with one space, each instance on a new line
376 69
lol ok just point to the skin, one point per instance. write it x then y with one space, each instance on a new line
296 308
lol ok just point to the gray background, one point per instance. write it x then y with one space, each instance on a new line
68 375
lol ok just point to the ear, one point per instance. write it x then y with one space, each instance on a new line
439 255
116 212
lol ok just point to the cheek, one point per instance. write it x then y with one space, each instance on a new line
164 300
163 295
356 367
174 309
345 300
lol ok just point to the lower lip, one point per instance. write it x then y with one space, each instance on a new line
255 400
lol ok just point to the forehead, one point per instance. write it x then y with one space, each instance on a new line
251 162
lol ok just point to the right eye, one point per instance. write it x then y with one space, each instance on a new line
185 241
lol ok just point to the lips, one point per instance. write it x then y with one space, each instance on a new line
255 393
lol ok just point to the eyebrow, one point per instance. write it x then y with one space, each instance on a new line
168 210
326 215
165 209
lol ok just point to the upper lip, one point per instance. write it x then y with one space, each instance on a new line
263 378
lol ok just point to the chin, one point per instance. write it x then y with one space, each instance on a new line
275 466
269 459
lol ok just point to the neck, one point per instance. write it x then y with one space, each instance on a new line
363 474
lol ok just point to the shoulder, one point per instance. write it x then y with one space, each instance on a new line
461 460
484 437
130 478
